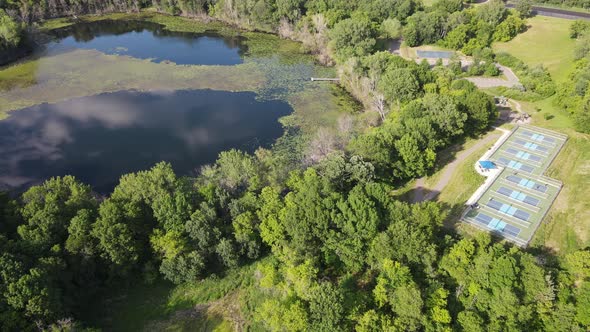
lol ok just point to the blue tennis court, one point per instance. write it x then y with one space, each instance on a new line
435 54
538 137
531 146
496 224
526 183
508 210
523 155
519 196
516 165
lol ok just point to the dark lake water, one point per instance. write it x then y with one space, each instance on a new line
148 40
99 138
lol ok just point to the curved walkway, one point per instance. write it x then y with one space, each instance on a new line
489 82
448 171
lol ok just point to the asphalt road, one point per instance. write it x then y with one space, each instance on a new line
545 11
554 12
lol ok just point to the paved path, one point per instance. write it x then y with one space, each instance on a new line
447 172
516 105
489 82
545 11
556 12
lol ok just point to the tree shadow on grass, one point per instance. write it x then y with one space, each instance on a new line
418 194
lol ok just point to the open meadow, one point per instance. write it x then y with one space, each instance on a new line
545 42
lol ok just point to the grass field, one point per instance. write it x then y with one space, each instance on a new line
463 184
546 42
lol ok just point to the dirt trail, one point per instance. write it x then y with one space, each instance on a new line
448 171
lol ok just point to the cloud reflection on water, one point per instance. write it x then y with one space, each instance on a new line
101 137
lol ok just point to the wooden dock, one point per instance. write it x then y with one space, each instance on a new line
313 79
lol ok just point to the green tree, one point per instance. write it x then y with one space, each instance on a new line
289 315
396 289
168 244
578 264
471 321
492 12
357 220
227 253
379 10
49 208
399 85
160 192
272 230
583 304
415 161
80 240
325 308
480 109
184 267
524 8
509 28
391 28
122 231
408 307
247 233
204 227
457 37
291 9
353 37
236 171
35 295
579 28
444 115
10 32
10 216
305 217
344 173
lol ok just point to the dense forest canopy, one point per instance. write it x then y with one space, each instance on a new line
345 255
341 253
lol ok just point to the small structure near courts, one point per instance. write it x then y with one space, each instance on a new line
487 165
519 196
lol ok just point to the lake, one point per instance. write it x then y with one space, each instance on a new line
101 137
107 98
146 40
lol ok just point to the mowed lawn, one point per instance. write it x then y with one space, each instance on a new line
545 42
